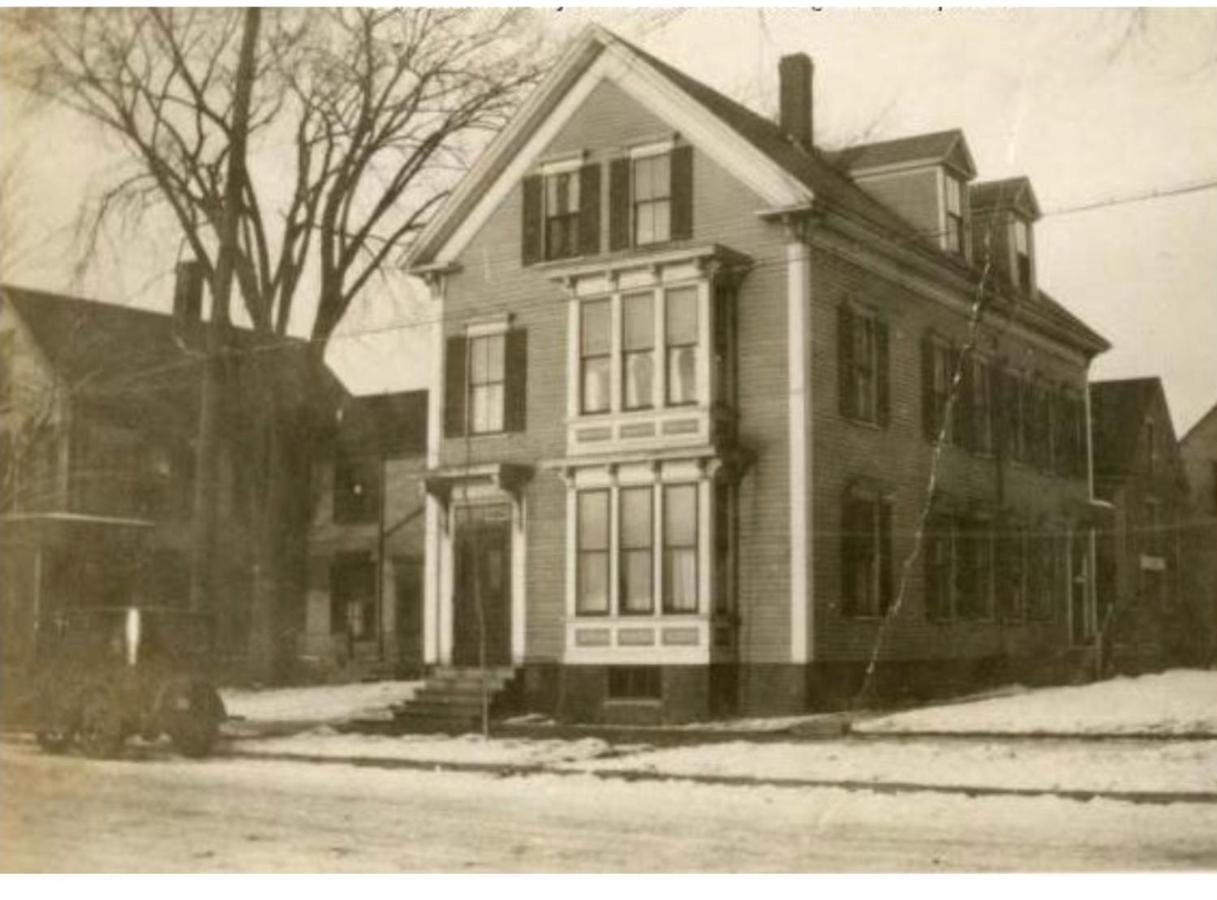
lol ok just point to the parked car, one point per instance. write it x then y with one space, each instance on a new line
106 673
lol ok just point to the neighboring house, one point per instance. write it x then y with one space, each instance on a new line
99 418
364 611
1199 451
692 375
1145 613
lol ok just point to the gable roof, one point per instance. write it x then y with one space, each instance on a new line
1196 426
124 356
1117 410
822 175
936 147
1005 193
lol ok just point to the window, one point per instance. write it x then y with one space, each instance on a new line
863 366
487 379
638 350
652 178
353 596
357 485
939 566
1152 536
974 572
1022 253
982 407
636 565
1013 404
954 236
937 371
593 561
653 571
1044 571
866 554
562 215
681 342
595 356
635 683
680 548
1011 572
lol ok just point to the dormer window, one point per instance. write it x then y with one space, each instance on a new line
954 205
1021 230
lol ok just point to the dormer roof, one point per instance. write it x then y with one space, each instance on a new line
1008 193
948 148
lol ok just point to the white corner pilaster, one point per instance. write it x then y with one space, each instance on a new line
798 312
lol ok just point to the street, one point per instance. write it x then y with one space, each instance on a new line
160 813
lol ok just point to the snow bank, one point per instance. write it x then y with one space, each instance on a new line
319 703
439 749
1175 767
1182 701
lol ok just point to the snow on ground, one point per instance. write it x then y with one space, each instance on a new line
70 814
317 703
1181 701
1121 765
439 749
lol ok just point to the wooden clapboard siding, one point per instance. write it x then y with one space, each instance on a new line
493 280
898 457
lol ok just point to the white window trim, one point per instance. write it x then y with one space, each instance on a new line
656 148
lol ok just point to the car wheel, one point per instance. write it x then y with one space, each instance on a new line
194 723
101 725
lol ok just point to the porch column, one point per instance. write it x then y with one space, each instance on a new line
798 314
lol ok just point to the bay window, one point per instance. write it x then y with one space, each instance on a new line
681 341
680 548
636 565
638 350
593 550
595 356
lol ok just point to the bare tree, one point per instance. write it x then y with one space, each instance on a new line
358 122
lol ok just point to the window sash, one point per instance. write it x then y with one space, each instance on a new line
681 338
595 364
592 548
866 385
637 570
652 186
487 382
638 346
680 564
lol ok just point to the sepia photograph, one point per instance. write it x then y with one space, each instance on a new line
585 440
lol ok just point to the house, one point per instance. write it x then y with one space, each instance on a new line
364 605
99 417
693 377
1143 604
1199 451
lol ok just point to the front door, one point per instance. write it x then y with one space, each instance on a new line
481 602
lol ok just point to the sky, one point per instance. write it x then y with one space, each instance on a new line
1101 109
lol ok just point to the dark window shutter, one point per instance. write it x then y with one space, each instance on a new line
845 360
885 555
619 204
515 413
929 418
963 403
682 193
883 399
532 220
454 386
589 210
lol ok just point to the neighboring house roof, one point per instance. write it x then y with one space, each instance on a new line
936 147
1117 411
1005 193
384 424
125 356
1195 430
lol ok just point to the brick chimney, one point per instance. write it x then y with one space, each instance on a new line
188 292
795 76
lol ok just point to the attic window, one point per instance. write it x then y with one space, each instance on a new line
954 236
1022 252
